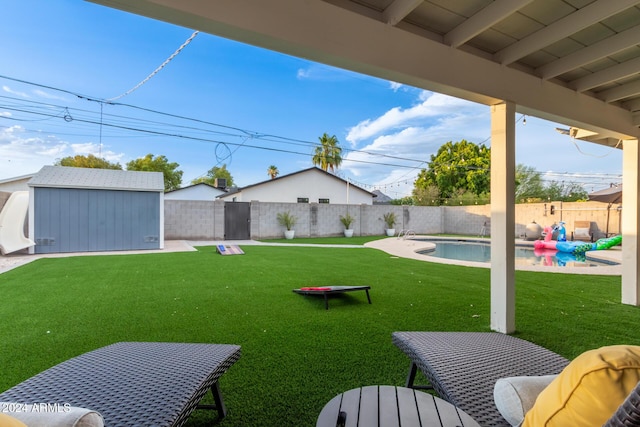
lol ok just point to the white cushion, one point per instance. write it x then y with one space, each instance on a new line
581 232
52 415
514 396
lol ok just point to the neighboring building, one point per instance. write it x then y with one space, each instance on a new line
201 191
311 185
84 210
381 198
18 183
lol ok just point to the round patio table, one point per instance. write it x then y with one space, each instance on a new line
389 406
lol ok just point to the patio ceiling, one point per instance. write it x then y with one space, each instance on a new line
575 62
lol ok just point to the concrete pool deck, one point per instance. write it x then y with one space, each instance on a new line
393 246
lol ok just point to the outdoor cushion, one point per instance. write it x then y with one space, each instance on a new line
52 415
514 396
581 232
589 390
7 421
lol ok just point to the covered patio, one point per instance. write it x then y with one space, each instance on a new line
575 62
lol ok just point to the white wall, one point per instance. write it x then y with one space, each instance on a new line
312 184
19 184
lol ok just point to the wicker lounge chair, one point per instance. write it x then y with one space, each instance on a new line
628 414
134 383
463 367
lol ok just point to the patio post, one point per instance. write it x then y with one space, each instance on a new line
630 222
503 217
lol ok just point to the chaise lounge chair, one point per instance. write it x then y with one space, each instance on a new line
463 367
128 384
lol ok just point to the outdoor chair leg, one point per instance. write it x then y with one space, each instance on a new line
413 369
219 402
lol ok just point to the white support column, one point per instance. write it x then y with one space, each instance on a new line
630 222
503 217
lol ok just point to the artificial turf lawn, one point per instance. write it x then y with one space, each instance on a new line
295 354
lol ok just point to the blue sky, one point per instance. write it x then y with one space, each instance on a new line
222 102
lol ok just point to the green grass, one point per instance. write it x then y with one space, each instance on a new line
295 354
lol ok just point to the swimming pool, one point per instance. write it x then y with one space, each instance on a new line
524 255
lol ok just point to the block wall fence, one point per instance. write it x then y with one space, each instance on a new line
204 220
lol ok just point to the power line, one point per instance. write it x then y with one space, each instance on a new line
47 112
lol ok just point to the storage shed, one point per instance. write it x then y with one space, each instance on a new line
88 210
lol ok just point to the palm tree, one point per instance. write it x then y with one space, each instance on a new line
273 171
328 154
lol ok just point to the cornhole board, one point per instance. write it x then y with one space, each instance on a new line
331 290
229 250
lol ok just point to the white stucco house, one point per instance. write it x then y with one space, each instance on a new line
311 185
200 191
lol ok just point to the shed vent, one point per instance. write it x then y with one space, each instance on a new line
46 241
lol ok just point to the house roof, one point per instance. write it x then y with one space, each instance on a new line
100 179
17 178
238 189
195 185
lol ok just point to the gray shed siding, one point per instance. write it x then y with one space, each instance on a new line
89 220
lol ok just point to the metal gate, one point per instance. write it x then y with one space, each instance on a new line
237 221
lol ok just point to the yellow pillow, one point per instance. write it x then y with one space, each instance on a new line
7 421
589 390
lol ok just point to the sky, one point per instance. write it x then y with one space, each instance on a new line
80 78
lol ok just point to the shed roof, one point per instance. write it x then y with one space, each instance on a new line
98 179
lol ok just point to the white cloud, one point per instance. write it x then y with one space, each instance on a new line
22 154
393 147
395 86
303 74
432 105
47 95
14 92
326 73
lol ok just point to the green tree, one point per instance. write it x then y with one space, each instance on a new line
425 196
403 201
529 185
149 163
213 173
564 192
89 161
457 167
273 171
328 155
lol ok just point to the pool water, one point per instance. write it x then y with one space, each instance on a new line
481 252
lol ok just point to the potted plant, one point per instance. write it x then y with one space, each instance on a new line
347 220
390 221
288 221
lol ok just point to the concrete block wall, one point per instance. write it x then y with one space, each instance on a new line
423 219
204 220
191 220
465 219
569 212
